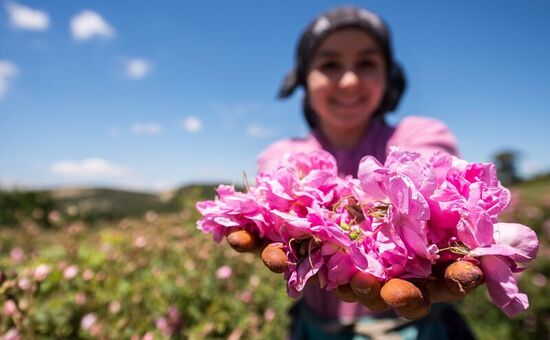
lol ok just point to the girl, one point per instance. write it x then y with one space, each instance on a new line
345 64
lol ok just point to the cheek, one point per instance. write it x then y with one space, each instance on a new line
318 86
376 88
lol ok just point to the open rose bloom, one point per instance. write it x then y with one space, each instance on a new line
394 220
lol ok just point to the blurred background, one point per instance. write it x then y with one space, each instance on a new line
116 117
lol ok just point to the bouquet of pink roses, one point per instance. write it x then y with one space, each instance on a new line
400 220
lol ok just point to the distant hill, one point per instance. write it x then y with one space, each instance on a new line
92 204
108 203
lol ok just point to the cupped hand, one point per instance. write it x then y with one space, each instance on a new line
410 299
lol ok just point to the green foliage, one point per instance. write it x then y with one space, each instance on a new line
137 277
16 206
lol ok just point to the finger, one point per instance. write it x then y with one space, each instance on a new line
462 277
365 286
414 313
375 304
408 300
439 291
275 258
242 241
345 293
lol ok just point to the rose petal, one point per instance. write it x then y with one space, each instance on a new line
502 286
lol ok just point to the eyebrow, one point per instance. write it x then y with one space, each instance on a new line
333 53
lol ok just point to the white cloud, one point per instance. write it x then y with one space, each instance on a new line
89 167
8 71
257 131
146 128
192 124
23 17
137 68
88 24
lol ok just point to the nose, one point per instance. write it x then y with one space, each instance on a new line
349 79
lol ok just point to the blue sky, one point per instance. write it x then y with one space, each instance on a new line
151 95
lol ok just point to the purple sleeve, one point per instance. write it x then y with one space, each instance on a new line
423 135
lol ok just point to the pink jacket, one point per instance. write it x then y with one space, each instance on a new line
420 134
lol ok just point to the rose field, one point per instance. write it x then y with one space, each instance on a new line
123 266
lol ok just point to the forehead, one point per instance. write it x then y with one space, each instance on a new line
348 41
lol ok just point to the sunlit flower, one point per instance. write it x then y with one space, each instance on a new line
114 307
88 321
140 242
17 255
269 314
12 334
148 336
254 280
80 298
246 296
70 272
224 272
41 272
10 308
151 216
88 275
539 280
24 283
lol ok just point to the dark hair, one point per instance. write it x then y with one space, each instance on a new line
326 24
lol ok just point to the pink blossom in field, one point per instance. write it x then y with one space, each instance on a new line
10 308
12 334
246 296
88 275
140 242
17 255
269 314
41 272
151 216
54 216
254 281
539 280
224 272
88 321
163 327
114 307
80 298
148 336
24 283
70 272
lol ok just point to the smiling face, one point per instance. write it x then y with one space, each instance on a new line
346 81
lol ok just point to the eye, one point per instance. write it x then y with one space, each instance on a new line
329 66
367 64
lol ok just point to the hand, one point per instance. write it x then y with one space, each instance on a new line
410 299
413 299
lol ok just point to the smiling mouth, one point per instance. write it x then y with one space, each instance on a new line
348 103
